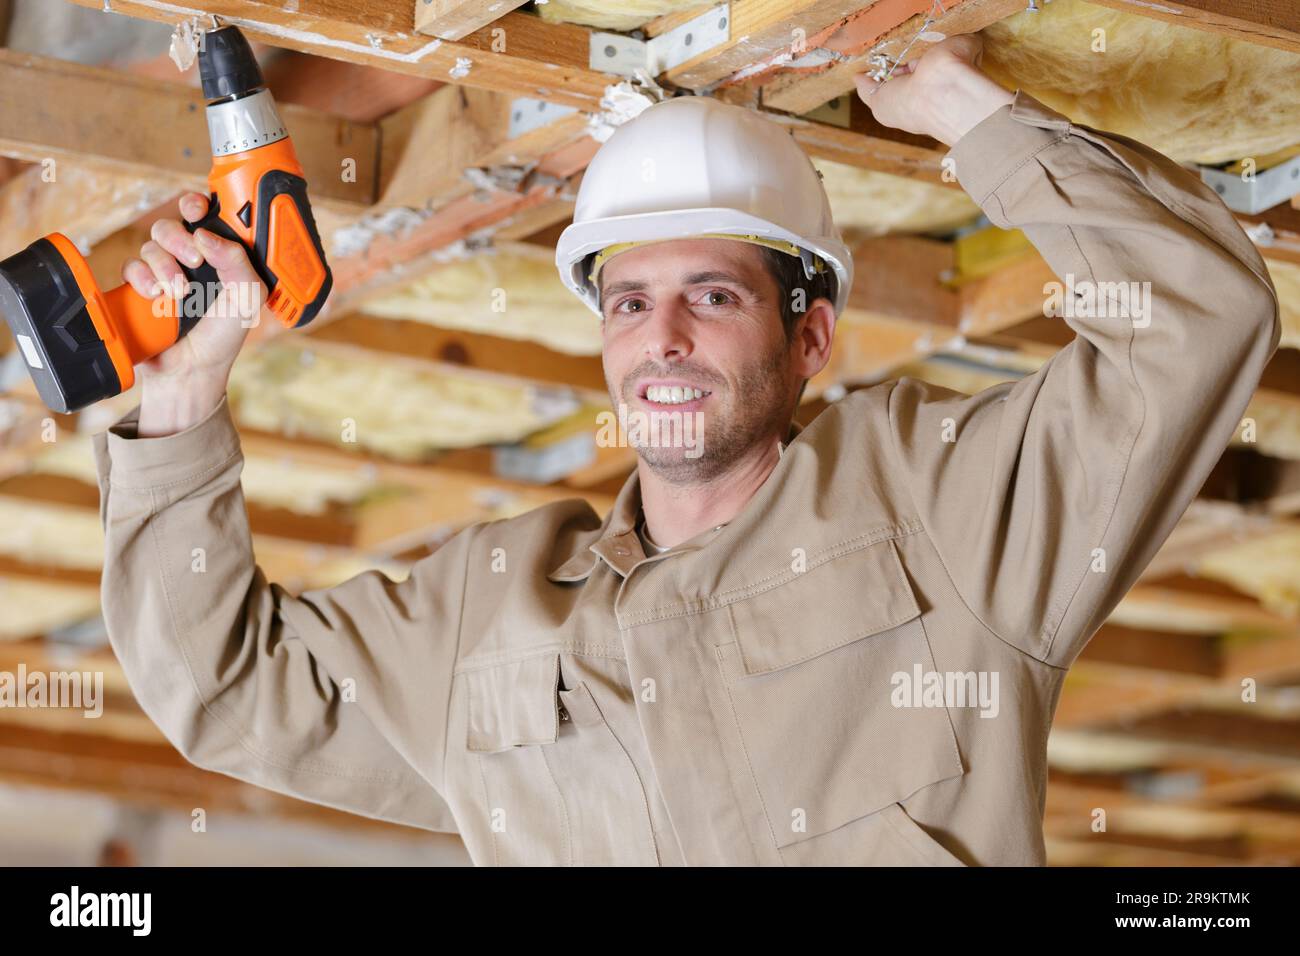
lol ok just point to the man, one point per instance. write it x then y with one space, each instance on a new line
840 645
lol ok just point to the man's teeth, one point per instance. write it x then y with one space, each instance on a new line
672 394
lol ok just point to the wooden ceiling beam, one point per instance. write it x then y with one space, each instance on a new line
886 27
351 91
457 351
84 203
392 261
457 19
1274 23
154 129
154 774
518 53
762 31
428 145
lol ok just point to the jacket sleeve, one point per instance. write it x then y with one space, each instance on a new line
1048 496
338 696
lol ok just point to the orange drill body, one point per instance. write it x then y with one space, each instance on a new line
82 343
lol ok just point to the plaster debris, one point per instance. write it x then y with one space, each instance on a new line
493 179
185 42
461 69
355 239
623 101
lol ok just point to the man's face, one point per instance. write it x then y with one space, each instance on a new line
698 315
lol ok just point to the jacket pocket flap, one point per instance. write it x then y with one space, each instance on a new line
513 704
827 606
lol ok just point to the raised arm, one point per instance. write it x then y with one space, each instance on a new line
338 696
1047 497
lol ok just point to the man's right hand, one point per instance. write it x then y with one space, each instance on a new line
183 384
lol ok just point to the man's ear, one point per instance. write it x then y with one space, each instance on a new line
813 337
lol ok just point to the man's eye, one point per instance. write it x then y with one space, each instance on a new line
718 298
631 305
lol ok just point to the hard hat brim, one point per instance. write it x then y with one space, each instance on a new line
581 240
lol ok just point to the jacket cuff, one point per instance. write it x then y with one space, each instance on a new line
1002 142
169 459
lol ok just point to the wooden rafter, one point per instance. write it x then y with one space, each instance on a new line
155 130
1274 23
532 58
457 19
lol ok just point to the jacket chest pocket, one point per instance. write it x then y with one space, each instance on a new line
560 788
811 678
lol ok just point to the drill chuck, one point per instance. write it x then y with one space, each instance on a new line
227 66
244 123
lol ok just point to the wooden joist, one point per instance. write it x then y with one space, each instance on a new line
428 145
1274 23
886 27
457 19
528 58
762 31
861 142
96 117
84 203
456 351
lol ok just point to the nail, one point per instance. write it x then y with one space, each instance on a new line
205 240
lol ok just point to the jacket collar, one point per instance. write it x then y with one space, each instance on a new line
616 540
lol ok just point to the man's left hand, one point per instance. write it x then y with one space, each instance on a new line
942 94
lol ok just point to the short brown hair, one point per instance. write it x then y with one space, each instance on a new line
787 271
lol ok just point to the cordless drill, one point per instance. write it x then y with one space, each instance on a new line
81 344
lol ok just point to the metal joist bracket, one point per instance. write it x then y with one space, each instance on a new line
1260 191
624 55
527 114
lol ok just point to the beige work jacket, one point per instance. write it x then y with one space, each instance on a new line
860 668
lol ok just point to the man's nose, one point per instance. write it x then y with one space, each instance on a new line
668 332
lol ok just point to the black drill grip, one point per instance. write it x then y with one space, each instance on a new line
203 282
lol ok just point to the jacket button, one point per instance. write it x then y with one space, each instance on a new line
622 552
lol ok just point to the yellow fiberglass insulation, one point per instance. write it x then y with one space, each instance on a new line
874 203
33 608
514 292
613 14
1286 279
382 406
1194 95
269 481
1264 568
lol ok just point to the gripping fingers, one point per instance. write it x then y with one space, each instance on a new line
242 292
173 237
141 277
164 267
193 206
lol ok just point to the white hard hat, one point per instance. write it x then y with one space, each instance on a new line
691 167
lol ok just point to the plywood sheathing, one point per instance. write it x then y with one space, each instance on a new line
1194 95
